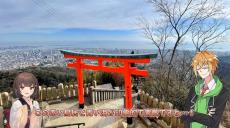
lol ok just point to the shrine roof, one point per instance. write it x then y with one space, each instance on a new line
129 56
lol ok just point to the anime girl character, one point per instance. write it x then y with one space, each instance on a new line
22 113
207 99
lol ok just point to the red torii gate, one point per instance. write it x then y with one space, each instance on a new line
126 70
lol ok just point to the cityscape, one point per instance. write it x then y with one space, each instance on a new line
29 56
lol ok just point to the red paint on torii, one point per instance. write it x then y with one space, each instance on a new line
126 70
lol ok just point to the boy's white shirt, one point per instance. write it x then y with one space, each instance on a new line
211 86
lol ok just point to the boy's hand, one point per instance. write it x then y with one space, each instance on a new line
191 112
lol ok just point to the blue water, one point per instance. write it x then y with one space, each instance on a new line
82 44
107 45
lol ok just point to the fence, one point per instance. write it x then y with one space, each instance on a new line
5 99
61 92
98 95
152 102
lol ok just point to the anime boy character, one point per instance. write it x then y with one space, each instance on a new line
22 113
207 99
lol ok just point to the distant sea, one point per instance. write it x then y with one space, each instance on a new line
106 45
81 44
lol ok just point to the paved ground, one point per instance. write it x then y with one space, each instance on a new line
91 122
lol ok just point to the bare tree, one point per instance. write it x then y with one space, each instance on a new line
201 22
204 37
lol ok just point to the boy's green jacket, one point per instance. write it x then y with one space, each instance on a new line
214 100
201 104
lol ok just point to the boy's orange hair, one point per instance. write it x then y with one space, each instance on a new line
205 58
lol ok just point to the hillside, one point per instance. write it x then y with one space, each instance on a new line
52 76
224 73
225 59
49 76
